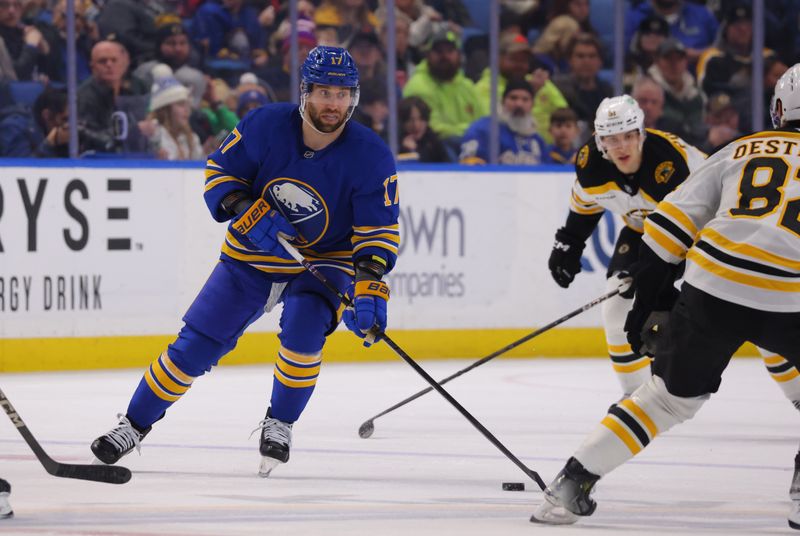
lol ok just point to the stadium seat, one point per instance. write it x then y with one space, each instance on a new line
25 93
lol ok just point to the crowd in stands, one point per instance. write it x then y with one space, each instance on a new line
169 79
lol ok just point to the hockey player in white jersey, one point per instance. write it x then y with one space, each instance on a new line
736 222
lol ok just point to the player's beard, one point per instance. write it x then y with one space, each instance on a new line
315 116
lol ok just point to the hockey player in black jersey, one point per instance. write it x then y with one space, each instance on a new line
5 506
626 169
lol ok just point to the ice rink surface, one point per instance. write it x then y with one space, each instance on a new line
425 470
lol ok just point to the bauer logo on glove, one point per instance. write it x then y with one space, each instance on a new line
256 211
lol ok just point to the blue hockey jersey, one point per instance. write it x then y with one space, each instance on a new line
343 200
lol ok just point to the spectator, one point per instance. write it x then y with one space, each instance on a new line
173 48
366 51
56 36
109 103
692 24
172 138
774 68
52 120
652 31
250 100
130 23
277 74
305 22
722 119
418 143
345 18
373 107
564 131
440 82
423 20
650 97
683 101
26 46
406 55
216 119
726 68
565 20
18 134
229 29
516 60
519 141
582 88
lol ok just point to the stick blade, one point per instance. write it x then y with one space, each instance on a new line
108 474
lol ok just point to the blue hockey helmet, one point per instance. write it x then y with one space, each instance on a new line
329 66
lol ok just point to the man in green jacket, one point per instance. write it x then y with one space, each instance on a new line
516 62
440 82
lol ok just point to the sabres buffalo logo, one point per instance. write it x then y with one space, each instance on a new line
302 206
583 156
664 171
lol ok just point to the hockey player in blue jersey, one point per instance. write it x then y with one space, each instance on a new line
331 187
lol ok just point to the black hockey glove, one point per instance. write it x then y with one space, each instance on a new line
565 259
654 290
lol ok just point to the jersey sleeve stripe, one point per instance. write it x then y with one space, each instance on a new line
376 243
676 214
673 247
710 265
743 264
659 220
596 209
713 235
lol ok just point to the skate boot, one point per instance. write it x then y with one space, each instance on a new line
5 506
794 495
567 496
119 441
274 443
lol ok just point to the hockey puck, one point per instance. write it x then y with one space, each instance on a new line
513 486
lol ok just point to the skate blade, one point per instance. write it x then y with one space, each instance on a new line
550 514
267 465
794 515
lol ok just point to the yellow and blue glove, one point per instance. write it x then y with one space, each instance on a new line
260 225
367 318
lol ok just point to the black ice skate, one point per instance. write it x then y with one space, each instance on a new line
5 506
794 495
119 441
274 443
567 496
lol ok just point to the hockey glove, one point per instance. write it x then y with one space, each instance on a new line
260 225
653 284
367 317
565 259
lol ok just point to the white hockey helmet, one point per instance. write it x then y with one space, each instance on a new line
616 115
785 104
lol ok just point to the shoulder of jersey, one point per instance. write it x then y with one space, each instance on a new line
660 144
362 135
273 114
590 166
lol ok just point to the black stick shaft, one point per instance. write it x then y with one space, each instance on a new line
501 351
97 473
399 351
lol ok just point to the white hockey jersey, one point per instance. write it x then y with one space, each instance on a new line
736 221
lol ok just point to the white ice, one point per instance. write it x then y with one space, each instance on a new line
425 470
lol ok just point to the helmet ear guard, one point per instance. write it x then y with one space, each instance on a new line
617 115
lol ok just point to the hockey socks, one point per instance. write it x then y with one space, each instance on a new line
162 385
785 375
294 378
633 423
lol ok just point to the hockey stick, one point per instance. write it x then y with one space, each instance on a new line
400 352
110 474
366 429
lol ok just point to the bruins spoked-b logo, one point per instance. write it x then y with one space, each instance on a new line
664 171
302 206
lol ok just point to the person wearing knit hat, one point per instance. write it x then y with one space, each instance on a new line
250 100
173 138
520 142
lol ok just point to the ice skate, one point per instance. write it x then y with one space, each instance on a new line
5 506
274 443
794 495
119 441
567 496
